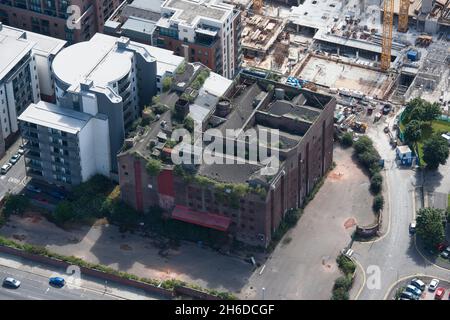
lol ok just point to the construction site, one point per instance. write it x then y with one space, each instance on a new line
368 53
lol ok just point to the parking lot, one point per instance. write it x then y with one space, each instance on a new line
428 293
14 180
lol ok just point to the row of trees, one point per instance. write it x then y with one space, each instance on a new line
368 156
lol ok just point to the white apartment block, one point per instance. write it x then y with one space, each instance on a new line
25 60
65 146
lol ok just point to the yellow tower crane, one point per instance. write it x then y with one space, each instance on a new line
403 16
388 21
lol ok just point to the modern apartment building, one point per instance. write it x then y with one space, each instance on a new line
202 31
237 199
71 20
18 81
103 78
64 146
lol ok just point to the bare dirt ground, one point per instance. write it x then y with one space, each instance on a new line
133 253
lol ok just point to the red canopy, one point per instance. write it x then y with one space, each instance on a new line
204 219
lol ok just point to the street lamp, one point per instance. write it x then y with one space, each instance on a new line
263 293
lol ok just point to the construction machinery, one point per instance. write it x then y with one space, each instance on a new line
403 16
388 21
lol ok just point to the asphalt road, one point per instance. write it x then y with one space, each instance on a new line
394 255
36 287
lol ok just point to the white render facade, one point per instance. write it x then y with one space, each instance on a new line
63 146
25 77
104 82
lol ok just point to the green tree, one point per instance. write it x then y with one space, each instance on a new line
153 167
64 212
347 139
363 144
431 112
429 226
435 151
376 183
378 203
413 133
15 204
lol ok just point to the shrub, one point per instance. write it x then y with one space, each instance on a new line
376 183
189 124
378 203
63 212
340 294
346 265
363 144
166 84
369 159
344 282
153 167
14 204
347 139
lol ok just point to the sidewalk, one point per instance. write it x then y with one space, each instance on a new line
113 290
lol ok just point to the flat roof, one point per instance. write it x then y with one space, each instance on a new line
188 11
96 59
44 44
51 116
13 47
151 5
100 60
139 25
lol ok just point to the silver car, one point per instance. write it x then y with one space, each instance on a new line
11 282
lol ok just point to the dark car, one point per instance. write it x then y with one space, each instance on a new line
57 282
387 108
11 283
56 194
33 188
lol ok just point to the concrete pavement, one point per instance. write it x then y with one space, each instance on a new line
305 268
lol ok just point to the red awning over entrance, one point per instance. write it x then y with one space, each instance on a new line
204 219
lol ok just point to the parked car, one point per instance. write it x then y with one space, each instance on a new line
440 292
33 188
412 227
445 254
21 151
408 296
15 158
57 282
418 284
387 108
433 285
413 290
5 168
441 246
56 194
11 283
